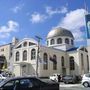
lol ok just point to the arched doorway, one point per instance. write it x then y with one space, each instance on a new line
63 65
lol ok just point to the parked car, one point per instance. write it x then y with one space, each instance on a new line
55 77
86 80
2 77
70 79
28 83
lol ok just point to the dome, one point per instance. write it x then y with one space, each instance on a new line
59 32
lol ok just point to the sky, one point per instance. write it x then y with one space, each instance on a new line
28 18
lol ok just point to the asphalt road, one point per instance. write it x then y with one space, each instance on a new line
72 87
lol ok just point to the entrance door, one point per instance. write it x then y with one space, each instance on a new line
24 70
64 71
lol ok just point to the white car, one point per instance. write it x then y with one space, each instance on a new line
54 77
86 80
2 77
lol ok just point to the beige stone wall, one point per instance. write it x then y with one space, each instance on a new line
5 50
51 52
17 70
89 56
77 58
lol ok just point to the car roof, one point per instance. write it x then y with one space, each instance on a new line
14 78
21 77
68 76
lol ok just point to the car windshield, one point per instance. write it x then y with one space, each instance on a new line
3 81
87 75
67 77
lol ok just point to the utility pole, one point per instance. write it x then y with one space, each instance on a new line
38 51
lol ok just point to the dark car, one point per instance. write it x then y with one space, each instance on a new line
70 79
28 83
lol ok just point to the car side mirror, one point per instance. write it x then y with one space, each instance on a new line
17 83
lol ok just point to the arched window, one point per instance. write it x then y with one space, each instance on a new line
67 41
17 56
71 42
54 62
59 41
87 63
47 43
24 55
52 41
82 63
72 64
25 44
45 61
33 54
62 61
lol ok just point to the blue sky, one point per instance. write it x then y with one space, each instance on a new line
28 18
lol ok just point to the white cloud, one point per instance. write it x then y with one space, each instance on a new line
17 8
50 11
36 17
5 30
78 35
74 21
4 35
64 10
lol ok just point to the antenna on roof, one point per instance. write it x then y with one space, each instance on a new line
85 7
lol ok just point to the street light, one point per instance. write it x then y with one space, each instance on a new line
38 39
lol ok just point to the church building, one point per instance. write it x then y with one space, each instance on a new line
58 56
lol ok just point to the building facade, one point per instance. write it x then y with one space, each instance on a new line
58 56
6 53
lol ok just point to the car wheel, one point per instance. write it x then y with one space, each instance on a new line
86 84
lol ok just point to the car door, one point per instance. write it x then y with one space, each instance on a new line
88 77
39 85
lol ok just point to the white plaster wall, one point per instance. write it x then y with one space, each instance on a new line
30 63
63 45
